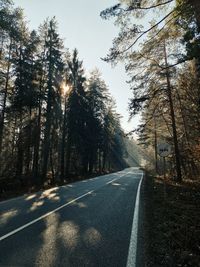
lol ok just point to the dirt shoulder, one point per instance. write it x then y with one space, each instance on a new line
171 223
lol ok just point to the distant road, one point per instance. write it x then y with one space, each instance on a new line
87 223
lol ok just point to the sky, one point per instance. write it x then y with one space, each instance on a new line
81 27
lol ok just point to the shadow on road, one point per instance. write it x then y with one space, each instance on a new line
88 232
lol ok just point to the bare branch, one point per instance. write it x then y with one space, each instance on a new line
163 27
117 9
149 7
139 37
177 63
151 59
145 32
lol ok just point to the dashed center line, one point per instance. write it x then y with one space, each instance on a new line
53 211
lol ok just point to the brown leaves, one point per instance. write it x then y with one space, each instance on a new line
176 225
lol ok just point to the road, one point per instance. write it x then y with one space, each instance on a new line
87 223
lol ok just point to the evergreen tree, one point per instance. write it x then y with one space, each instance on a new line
76 115
46 134
98 101
11 32
25 97
55 68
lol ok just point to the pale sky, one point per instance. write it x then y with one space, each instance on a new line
81 27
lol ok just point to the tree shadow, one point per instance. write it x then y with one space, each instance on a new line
93 231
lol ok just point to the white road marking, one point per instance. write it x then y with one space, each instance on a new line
110 182
131 261
43 216
51 212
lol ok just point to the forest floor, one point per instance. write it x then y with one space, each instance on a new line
171 222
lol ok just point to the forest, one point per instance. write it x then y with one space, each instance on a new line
159 43
57 123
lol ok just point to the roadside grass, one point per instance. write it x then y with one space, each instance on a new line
172 227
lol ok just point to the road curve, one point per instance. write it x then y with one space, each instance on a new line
87 223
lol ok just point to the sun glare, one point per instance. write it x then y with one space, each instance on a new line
66 88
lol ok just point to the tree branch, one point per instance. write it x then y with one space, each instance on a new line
143 33
149 7
163 27
117 9
137 39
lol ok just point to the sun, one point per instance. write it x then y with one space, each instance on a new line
66 88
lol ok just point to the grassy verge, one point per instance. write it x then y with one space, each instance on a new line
172 223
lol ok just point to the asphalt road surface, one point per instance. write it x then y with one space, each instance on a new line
87 223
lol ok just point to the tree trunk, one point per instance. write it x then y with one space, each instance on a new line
28 146
155 145
20 158
196 6
68 157
47 139
20 154
104 160
99 160
91 162
183 118
2 117
169 93
62 161
35 170
52 167
14 135
47 131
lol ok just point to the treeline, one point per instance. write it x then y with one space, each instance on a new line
164 76
156 127
55 122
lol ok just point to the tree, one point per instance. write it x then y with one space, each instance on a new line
11 32
47 135
152 84
131 33
98 102
25 97
54 78
76 114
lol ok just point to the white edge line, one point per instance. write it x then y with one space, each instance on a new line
131 261
51 212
